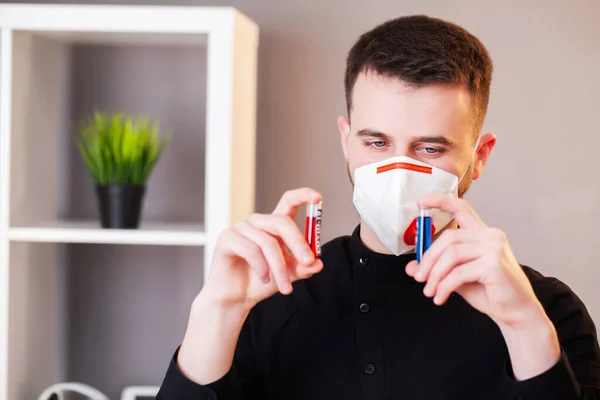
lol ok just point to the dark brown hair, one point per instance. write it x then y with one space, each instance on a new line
420 51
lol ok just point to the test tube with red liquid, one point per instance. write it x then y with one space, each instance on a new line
312 229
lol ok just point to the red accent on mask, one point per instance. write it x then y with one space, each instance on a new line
403 165
410 235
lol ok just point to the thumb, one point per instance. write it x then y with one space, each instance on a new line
302 271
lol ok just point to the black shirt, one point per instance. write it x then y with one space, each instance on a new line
363 329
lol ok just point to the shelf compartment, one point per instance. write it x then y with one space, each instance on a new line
108 316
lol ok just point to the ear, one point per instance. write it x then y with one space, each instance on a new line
344 128
482 154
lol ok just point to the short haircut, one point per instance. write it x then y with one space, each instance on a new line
420 50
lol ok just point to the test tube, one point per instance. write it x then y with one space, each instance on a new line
312 229
424 225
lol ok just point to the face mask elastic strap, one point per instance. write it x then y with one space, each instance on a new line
472 161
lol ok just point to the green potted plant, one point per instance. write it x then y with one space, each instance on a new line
120 152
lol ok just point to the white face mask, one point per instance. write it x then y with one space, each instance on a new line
386 194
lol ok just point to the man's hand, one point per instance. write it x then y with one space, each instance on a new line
476 262
251 262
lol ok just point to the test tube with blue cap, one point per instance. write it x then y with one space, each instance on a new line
424 232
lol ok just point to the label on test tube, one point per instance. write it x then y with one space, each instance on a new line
424 233
312 229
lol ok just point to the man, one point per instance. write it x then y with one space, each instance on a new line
366 321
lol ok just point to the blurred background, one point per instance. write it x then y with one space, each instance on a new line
542 185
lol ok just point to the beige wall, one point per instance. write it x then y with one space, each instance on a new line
542 184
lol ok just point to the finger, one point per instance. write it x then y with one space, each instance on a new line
272 252
447 239
464 215
282 226
301 271
293 199
283 245
412 268
465 274
250 251
452 257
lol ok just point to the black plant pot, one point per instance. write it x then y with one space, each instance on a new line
120 205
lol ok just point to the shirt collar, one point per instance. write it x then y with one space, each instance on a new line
364 258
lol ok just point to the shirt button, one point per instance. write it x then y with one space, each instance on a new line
364 307
370 369
364 260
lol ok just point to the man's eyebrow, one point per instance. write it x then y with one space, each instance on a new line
366 132
435 139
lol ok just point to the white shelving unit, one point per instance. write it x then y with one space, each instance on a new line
33 42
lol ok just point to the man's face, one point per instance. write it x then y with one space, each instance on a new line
433 124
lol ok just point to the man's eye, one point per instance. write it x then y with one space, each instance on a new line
377 144
431 150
